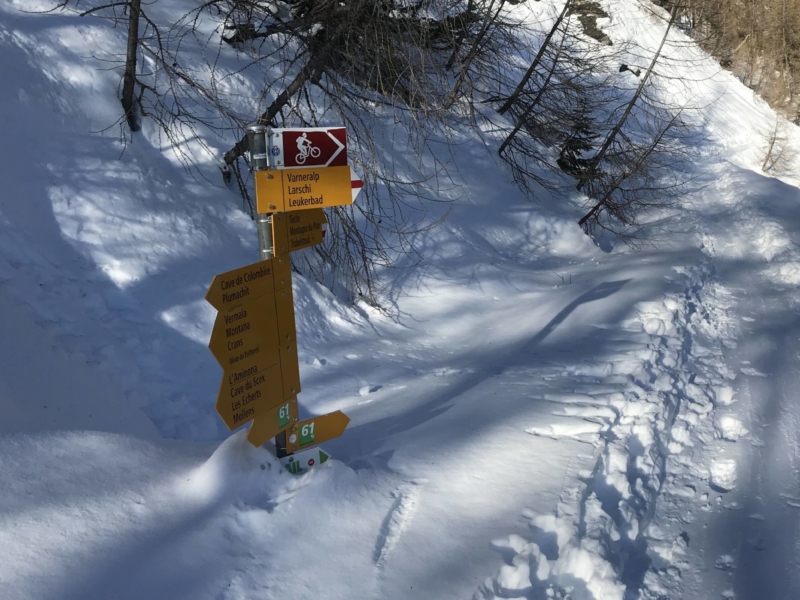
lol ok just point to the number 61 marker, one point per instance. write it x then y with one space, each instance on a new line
316 431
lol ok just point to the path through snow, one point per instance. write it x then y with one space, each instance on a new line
603 426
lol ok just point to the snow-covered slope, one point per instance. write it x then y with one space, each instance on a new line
542 419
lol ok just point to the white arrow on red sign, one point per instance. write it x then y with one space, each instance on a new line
308 147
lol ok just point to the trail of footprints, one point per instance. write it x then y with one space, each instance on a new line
396 521
655 413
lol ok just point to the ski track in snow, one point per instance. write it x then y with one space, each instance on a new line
601 541
397 520
671 490
755 241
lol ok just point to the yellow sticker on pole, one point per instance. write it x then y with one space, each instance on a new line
283 272
303 189
284 307
290 369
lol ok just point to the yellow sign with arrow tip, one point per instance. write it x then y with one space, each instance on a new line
315 431
269 424
283 190
247 335
236 287
297 230
255 341
245 399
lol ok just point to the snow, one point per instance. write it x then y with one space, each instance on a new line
542 419
722 474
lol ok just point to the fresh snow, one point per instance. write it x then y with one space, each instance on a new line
542 419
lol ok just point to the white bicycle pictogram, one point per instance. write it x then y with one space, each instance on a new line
305 150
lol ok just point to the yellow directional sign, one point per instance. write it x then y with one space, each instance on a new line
269 424
283 190
240 285
254 334
297 230
255 340
316 431
246 398
247 335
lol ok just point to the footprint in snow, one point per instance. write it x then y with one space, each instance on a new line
729 428
751 371
722 475
725 563
396 521
368 389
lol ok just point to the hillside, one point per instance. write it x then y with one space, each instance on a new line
540 414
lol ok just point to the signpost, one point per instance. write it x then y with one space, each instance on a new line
254 340
297 230
254 334
355 184
238 286
266 426
247 335
304 460
302 189
315 431
308 147
245 399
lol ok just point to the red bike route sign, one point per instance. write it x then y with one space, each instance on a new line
308 147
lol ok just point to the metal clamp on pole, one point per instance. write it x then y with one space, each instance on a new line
259 161
264 230
257 143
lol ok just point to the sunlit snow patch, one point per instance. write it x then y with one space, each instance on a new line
787 273
723 395
722 474
193 320
729 428
583 431
239 469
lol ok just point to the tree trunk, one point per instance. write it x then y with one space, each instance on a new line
459 41
473 52
529 73
618 127
524 117
129 79
594 212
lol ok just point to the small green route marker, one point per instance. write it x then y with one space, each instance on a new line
284 415
268 425
302 461
306 434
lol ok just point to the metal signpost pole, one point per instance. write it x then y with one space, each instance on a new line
264 229
259 161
